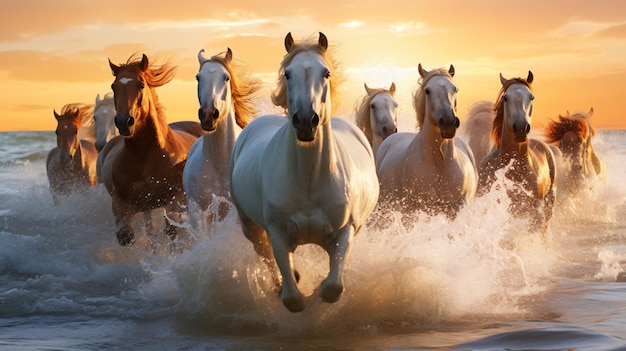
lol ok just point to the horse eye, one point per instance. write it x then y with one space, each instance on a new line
427 91
287 75
372 106
197 78
532 97
505 98
327 75
141 85
227 78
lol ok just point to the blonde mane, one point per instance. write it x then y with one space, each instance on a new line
243 88
419 97
363 112
279 96
498 109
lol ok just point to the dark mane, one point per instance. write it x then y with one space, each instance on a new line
557 129
498 109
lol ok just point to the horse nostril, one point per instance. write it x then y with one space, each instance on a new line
216 114
395 130
457 122
385 130
131 121
315 120
295 120
527 128
200 114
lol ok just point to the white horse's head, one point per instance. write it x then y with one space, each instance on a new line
214 89
439 94
307 79
104 118
383 111
516 107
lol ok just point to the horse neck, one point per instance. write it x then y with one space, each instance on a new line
375 142
315 159
434 147
219 143
152 130
511 149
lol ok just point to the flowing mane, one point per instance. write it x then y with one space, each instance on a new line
572 123
154 75
243 88
419 97
279 96
363 111
498 109
75 112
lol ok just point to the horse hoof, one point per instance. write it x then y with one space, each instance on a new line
125 237
331 292
294 304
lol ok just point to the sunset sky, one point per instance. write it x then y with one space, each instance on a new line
55 52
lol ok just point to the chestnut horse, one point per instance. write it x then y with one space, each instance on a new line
142 167
304 178
528 164
572 135
226 97
432 170
377 115
71 165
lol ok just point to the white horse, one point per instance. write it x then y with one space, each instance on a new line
104 119
303 178
431 171
528 163
377 115
476 129
226 106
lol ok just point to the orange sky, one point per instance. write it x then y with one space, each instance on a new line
55 52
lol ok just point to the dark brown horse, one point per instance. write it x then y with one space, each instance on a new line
529 164
142 167
71 165
579 162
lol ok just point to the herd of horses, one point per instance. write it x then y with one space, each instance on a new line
305 176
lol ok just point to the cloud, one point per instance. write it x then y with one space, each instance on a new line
617 31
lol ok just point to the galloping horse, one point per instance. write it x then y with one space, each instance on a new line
71 165
142 167
226 101
431 171
305 177
572 134
104 119
377 115
529 163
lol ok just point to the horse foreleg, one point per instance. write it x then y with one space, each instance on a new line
122 212
338 250
283 254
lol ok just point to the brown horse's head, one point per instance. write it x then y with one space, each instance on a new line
133 92
68 124
513 109
572 134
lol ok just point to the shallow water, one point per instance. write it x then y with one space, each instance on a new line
480 282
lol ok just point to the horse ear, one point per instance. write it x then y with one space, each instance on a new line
114 68
144 62
56 115
530 77
229 56
392 88
289 42
323 42
98 99
451 71
367 89
590 112
502 79
421 70
201 57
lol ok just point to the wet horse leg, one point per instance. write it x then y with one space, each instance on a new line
283 254
260 241
122 211
338 249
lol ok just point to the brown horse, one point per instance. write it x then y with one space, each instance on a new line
572 135
528 164
71 165
142 167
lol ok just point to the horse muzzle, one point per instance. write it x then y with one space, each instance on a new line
208 118
306 128
520 132
448 127
386 131
125 126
